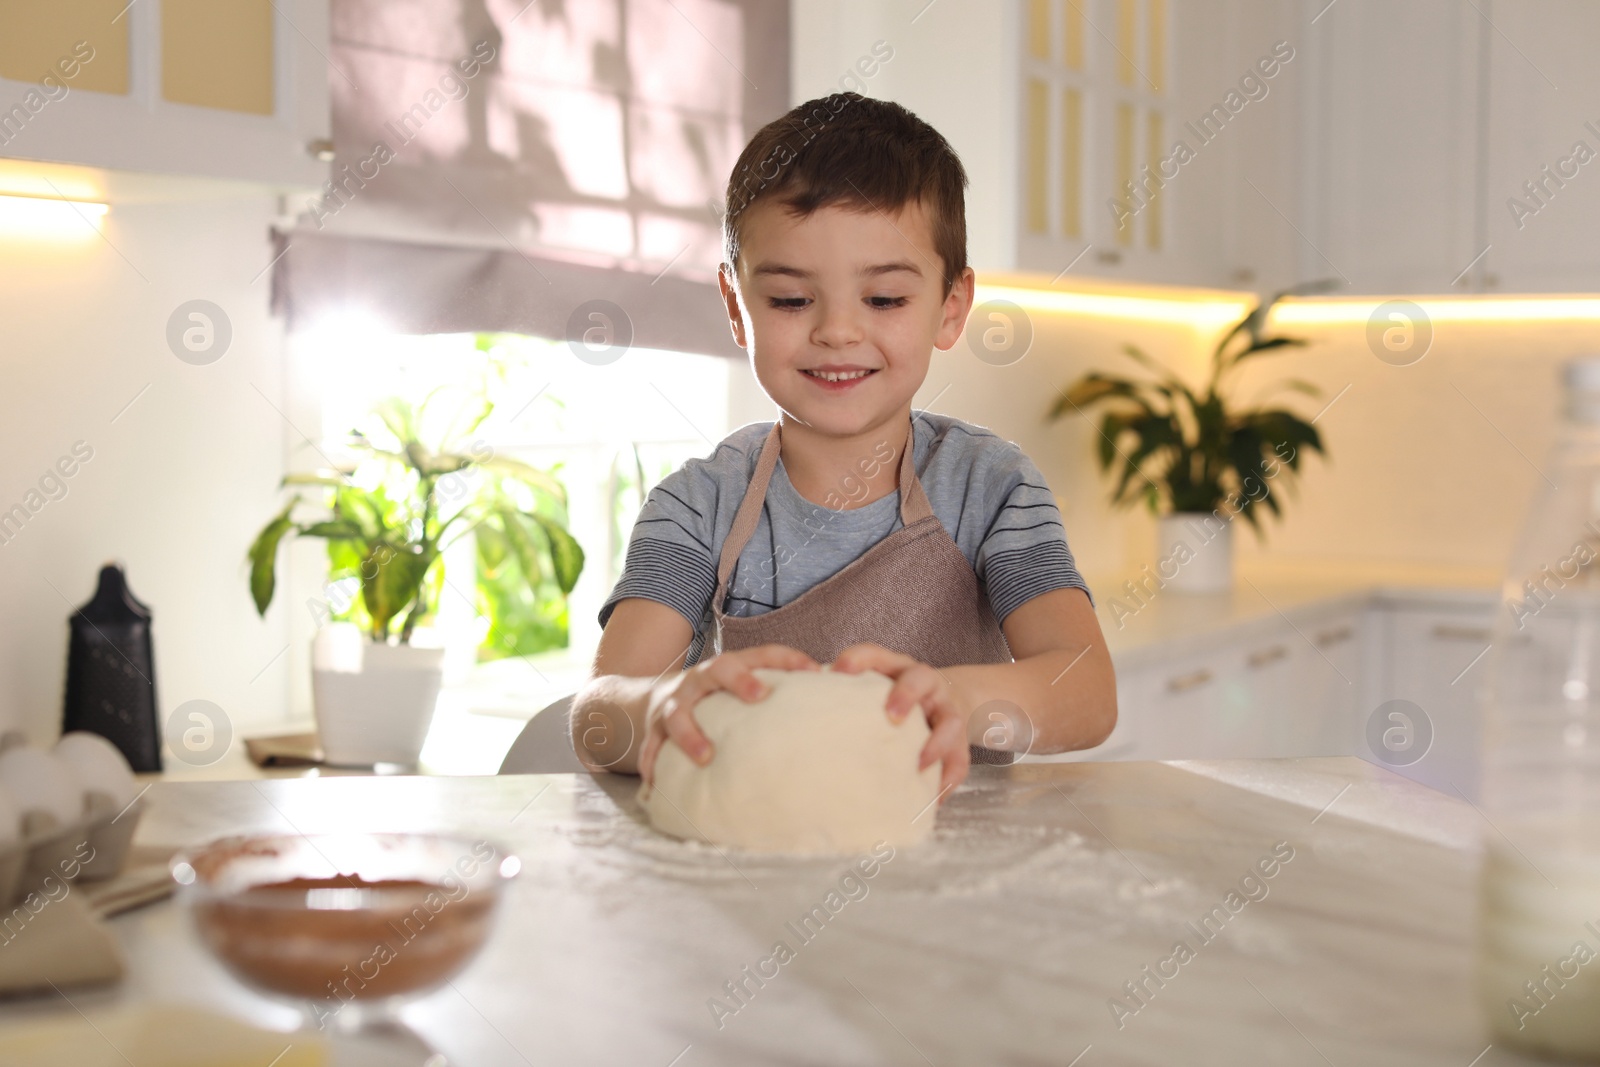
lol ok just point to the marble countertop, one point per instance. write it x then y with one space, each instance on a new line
1008 939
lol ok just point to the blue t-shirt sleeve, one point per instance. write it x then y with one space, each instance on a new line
670 556
1024 550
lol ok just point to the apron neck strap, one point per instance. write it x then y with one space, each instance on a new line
914 504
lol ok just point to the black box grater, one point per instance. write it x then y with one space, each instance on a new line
111 675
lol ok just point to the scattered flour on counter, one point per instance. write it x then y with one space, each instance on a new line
985 847
617 847
1005 865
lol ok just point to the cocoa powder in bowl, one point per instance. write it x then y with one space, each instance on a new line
349 918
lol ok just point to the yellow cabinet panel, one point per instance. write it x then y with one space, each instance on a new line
1039 28
218 54
1123 159
1156 39
1073 34
1038 143
1127 37
1152 208
1072 163
81 44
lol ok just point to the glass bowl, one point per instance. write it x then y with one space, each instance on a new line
341 919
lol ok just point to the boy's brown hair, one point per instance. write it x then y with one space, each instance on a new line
851 149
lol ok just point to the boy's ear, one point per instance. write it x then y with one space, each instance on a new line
730 300
956 308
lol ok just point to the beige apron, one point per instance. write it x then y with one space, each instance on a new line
913 592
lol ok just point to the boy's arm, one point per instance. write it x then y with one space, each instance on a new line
638 670
1062 680
1059 695
642 641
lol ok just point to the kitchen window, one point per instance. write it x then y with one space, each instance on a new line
609 432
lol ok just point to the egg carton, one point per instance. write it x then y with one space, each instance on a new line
51 852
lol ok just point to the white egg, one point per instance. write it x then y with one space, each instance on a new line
40 782
10 818
99 765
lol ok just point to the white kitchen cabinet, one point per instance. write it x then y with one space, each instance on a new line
1442 146
1433 658
1283 694
1383 153
1313 683
1259 713
189 88
1229 700
1055 105
1542 158
1331 676
1270 691
1390 145
1169 710
1280 691
1194 712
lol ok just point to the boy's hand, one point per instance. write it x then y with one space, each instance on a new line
669 715
917 683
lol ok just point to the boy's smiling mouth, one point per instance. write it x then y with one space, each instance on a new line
838 375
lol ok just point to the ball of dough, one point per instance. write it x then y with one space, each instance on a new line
814 767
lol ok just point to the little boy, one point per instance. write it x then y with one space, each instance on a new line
853 530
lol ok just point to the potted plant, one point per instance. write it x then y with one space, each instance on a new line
1196 457
387 521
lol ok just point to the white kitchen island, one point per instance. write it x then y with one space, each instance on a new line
1006 940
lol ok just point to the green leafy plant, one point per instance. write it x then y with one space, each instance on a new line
1179 449
388 520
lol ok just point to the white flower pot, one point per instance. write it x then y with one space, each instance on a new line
1196 550
374 703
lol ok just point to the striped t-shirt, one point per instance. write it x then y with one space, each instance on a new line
990 497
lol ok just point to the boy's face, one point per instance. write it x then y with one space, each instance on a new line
842 290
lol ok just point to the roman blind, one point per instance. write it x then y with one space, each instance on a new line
502 164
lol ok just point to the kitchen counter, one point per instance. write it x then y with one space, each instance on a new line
1144 622
479 717
1004 940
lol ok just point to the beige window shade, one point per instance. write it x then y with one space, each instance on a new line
561 148
218 54
37 36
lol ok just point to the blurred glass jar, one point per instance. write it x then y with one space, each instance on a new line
1539 919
